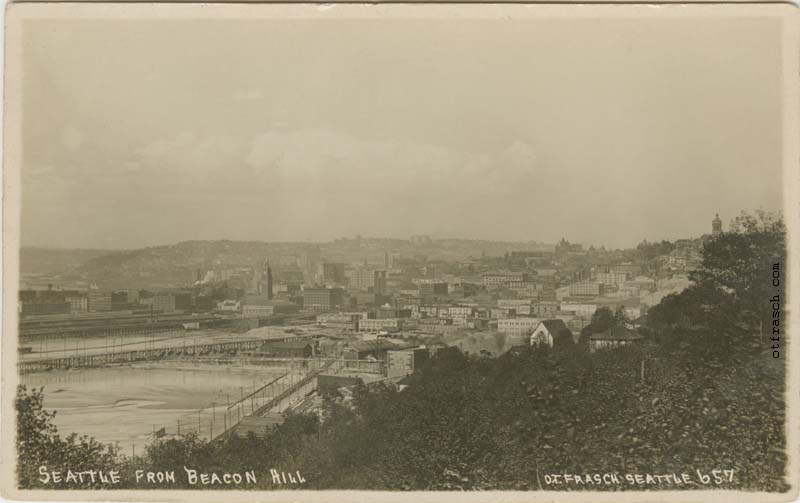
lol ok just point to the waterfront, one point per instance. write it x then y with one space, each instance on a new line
124 404
63 347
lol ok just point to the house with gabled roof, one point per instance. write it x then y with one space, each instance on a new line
613 337
553 333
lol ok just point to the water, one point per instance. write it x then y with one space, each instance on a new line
125 404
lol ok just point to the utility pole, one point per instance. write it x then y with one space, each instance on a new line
213 416
642 370
319 424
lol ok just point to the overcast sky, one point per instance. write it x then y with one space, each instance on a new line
139 133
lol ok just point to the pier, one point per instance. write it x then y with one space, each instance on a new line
263 408
138 355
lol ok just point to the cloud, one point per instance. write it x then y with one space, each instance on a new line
310 184
325 161
195 162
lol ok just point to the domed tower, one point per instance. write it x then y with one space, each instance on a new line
716 226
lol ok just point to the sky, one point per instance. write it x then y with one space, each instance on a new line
604 131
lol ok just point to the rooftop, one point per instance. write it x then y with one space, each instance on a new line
556 326
372 345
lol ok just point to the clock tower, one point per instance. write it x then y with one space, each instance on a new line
716 226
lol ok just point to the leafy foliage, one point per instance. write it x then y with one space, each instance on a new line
481 424
649 251
603 319
726 311
39 444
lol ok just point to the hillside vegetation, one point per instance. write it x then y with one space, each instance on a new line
705 392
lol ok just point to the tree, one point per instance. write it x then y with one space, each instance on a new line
500 341
740 263
38 444
620 318
481 424
602 319
34 431
649 251
728 301
165 455
700 317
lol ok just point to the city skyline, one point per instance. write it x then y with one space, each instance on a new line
506 249
401 238
632 131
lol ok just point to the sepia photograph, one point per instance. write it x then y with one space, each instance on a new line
530 252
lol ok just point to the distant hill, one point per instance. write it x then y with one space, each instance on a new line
55 261
176 265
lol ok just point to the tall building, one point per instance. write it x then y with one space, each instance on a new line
610 278
99 301
255 286
312 258
503 278
333 272
119 300
78 302
362 279
33 302
164 302
716 226
586 288
429 287
379 283
517 326
322 299
269 281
